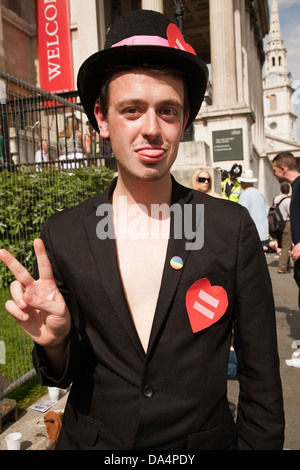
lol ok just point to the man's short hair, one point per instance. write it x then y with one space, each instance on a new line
285 188
285 159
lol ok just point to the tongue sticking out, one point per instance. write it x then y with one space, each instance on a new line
151 153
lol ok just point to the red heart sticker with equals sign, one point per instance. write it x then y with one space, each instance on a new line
205 304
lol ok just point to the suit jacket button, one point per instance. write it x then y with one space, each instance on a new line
148 391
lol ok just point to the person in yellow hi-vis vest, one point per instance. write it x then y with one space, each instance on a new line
231 187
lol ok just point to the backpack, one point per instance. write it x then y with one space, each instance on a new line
275 219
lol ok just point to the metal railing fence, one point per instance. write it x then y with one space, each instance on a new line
50 159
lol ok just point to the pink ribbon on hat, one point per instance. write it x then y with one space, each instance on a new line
143 41
175 40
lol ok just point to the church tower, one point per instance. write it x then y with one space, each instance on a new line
280 118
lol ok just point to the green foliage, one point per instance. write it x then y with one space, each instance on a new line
28 198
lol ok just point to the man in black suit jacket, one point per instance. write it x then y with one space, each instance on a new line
140 288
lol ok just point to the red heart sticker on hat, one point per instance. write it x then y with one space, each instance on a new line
205 304
176 39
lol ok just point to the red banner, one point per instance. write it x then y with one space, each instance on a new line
54 45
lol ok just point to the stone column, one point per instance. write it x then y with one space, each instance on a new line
156 5
238 18
223 57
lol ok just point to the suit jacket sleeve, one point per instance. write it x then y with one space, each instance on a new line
260 419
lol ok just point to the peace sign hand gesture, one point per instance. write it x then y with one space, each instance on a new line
37 305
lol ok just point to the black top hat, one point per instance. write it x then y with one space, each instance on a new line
139 37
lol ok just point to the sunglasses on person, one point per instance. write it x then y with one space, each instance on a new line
202 180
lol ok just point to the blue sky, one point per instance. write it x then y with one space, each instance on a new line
289 14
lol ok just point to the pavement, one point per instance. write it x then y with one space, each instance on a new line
31 422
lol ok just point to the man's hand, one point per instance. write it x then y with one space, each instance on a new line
37 305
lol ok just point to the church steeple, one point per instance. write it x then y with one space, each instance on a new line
276 54
275 32
280 118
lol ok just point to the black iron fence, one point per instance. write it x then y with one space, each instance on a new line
50 159
37 126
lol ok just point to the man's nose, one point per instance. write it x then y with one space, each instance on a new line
151 123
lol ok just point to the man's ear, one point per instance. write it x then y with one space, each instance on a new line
101 121
185 123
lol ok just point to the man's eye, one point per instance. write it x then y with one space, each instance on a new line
131 111
168 112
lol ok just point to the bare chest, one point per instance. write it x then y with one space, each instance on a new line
141 262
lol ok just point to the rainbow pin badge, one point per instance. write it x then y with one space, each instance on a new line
176 263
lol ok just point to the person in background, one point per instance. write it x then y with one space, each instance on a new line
41 155
255 202
284 238
285 168
231 187
201 181
72 145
